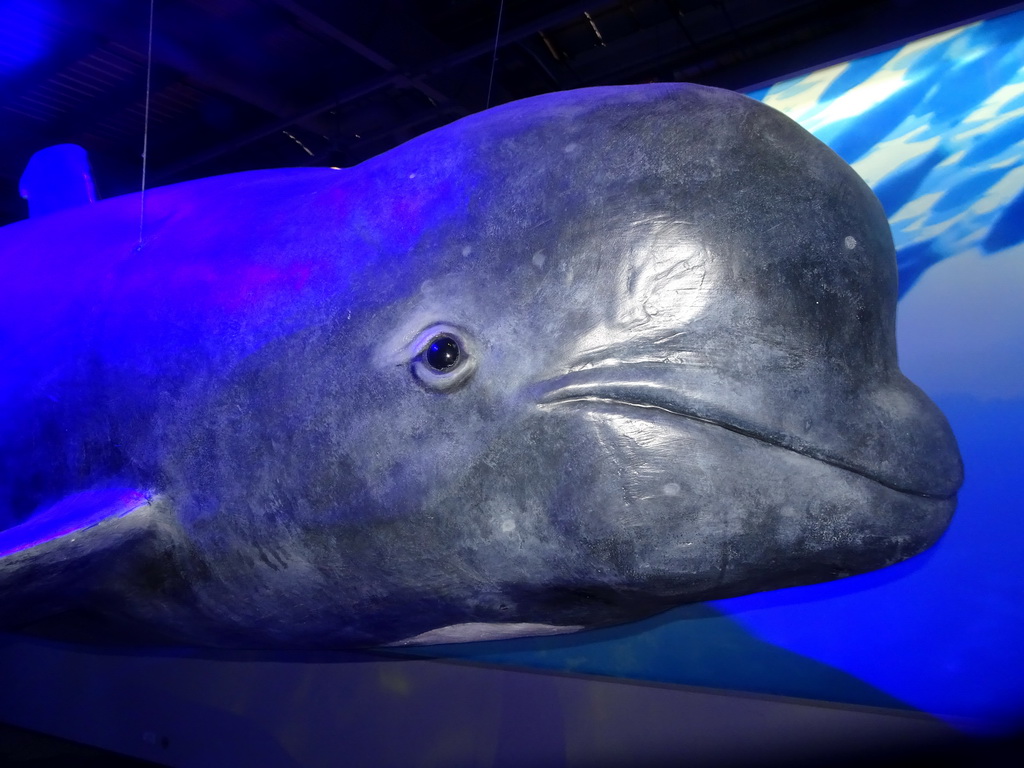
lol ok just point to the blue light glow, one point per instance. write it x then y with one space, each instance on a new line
56 178
23 34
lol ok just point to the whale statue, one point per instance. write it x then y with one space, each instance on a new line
562 364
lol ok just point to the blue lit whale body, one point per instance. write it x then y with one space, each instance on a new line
561 364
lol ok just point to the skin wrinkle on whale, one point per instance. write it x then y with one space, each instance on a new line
458 393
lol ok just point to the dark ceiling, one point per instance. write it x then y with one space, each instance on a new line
242 84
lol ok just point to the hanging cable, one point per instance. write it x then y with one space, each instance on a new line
494 58
145 124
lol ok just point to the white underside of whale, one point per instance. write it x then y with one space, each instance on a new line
481 630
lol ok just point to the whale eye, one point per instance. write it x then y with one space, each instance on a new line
443 353
442 359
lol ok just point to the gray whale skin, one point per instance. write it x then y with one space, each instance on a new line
563 364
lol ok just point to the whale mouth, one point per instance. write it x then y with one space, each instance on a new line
725 409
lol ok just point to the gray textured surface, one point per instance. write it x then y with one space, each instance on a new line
677 382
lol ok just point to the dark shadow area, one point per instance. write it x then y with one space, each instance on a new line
93 645
20 747
992 752
966 752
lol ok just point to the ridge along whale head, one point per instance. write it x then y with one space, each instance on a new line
561 364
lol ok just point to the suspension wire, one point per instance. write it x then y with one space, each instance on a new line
145 123
494 58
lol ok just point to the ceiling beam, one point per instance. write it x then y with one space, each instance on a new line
322 27
171 49
392 79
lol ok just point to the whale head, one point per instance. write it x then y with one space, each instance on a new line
561 364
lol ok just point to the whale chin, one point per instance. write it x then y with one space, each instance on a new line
708 512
